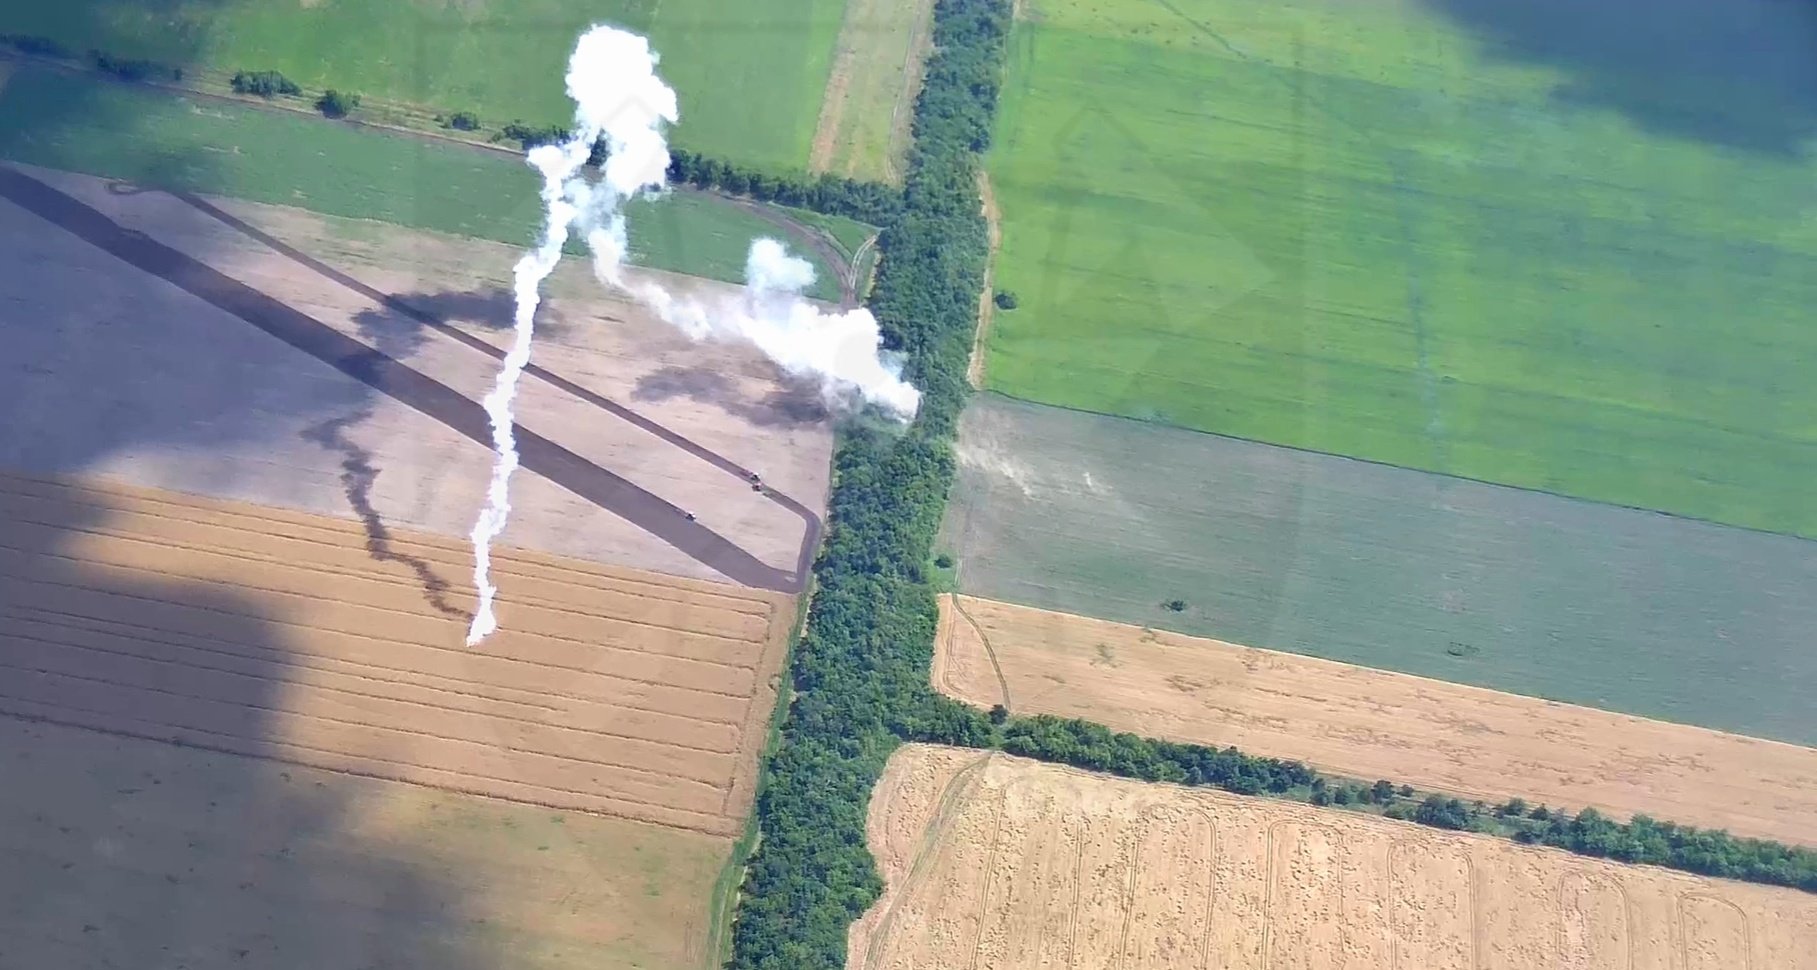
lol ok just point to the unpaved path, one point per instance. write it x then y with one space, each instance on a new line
974 370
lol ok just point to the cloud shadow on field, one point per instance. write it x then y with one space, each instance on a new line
161 843
795 404
1739 73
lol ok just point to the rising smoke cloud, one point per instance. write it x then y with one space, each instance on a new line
620 100
618 97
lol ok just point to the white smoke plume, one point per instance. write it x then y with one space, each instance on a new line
843 350
618 97
620 100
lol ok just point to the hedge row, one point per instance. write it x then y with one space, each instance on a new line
870 202
860 673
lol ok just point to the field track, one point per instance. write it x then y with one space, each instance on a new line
256 631
1370 724
992 861
419 390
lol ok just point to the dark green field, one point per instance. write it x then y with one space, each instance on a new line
1564 245
1384 567
81 124
750 75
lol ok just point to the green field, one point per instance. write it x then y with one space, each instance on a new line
750 75
1386 567
1524 241
81 124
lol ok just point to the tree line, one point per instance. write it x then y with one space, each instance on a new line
859 675
871 202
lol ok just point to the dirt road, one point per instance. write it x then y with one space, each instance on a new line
403 383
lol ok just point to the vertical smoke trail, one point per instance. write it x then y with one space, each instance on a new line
618 97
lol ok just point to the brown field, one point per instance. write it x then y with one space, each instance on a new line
992 861
111 370
863 131
304 638
1370 724
123 852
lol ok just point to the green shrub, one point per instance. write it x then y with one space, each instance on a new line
265 84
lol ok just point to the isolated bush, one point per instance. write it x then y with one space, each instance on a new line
1383 791
265 84
464 121
944 560
1005 300
1177 606
337 104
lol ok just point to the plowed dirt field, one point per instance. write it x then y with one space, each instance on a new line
308 639
992 861
1371 724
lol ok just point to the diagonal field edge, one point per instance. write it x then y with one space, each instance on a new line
810 521
382 373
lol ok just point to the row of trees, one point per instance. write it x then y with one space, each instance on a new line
859 675
872 202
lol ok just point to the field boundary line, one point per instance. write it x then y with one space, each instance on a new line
369 726
989 876
1590 877
1451 476
342 768
551 637
569 569
547 725
505 658
1747 929
376 576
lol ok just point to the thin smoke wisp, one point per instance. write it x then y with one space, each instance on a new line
617 97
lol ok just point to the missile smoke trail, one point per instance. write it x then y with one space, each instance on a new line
617 97
621 102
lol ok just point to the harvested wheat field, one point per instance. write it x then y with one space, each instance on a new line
993 861
311 640
1371 724
123 852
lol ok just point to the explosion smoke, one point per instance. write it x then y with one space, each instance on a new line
842 350
618 97
620 101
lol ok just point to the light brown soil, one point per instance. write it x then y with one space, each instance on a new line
1370 724
117 372
993 221
307 639
122 852
993 861
865 115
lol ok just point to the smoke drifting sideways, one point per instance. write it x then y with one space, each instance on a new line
620 100
841 350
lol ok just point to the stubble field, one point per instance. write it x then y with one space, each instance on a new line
996 861
123 852
1369 724
606 690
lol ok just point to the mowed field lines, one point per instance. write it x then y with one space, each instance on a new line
1368 724
992 861
307 639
